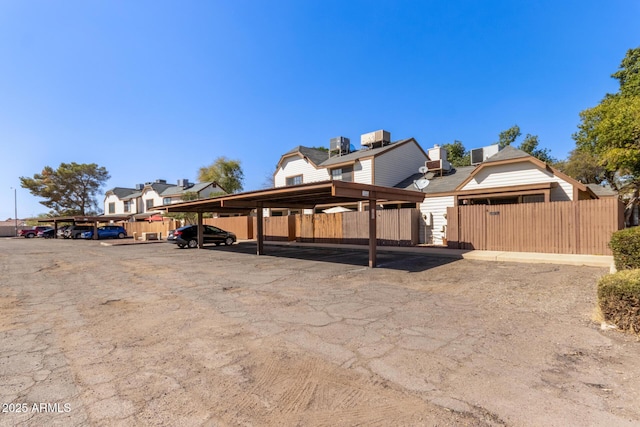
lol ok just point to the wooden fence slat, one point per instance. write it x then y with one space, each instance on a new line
582 227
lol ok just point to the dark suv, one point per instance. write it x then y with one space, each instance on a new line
188 236
75 231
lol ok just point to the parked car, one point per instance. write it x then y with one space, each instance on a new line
47 233
107 232
62 230
74 231
32 232
188 236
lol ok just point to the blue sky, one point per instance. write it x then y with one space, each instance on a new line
157 89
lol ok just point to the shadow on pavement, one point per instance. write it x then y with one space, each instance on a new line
409 262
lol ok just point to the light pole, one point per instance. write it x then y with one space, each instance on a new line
15 209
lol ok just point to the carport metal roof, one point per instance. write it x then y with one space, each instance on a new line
304 196
81 218
95 220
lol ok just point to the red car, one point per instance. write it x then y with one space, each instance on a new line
31 232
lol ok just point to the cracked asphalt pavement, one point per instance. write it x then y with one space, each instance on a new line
154 335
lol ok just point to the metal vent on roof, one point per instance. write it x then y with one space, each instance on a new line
375 139
339 145
479 155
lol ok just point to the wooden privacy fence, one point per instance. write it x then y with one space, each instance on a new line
9 230
397 227
278 228
242 226
160 227
582 227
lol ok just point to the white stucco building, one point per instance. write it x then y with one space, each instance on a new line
140 201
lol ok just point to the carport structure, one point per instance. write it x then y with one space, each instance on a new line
94 221
304 196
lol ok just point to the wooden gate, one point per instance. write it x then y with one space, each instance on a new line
394 227
583 227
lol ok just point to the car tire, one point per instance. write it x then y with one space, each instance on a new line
30 236
181 246
120 235
228 241
193 243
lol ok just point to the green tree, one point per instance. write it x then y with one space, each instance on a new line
530 144
321 149
227 173
188 196
584 167
69 190
628 75
611 131
457 154
509 136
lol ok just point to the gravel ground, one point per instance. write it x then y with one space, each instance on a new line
154 335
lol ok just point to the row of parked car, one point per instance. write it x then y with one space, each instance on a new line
184 237
75 232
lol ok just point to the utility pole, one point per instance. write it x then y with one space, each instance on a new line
15 209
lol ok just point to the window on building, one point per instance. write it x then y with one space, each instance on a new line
149 204
166 201
342 174
112 208
294 180
127 205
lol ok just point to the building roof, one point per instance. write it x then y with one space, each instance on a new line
321 158
122 192
160 187
163 189
438 184
132 195
602 190
176 190
316 156
507 153
346 158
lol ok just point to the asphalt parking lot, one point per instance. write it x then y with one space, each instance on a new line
155 335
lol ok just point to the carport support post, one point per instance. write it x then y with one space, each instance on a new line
260 229
372 233
95 230
200 231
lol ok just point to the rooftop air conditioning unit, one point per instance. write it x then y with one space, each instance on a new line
479 155
139 187
437 153
377 138
433 164
339 144
439 165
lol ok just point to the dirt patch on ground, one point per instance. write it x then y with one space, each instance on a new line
154 335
